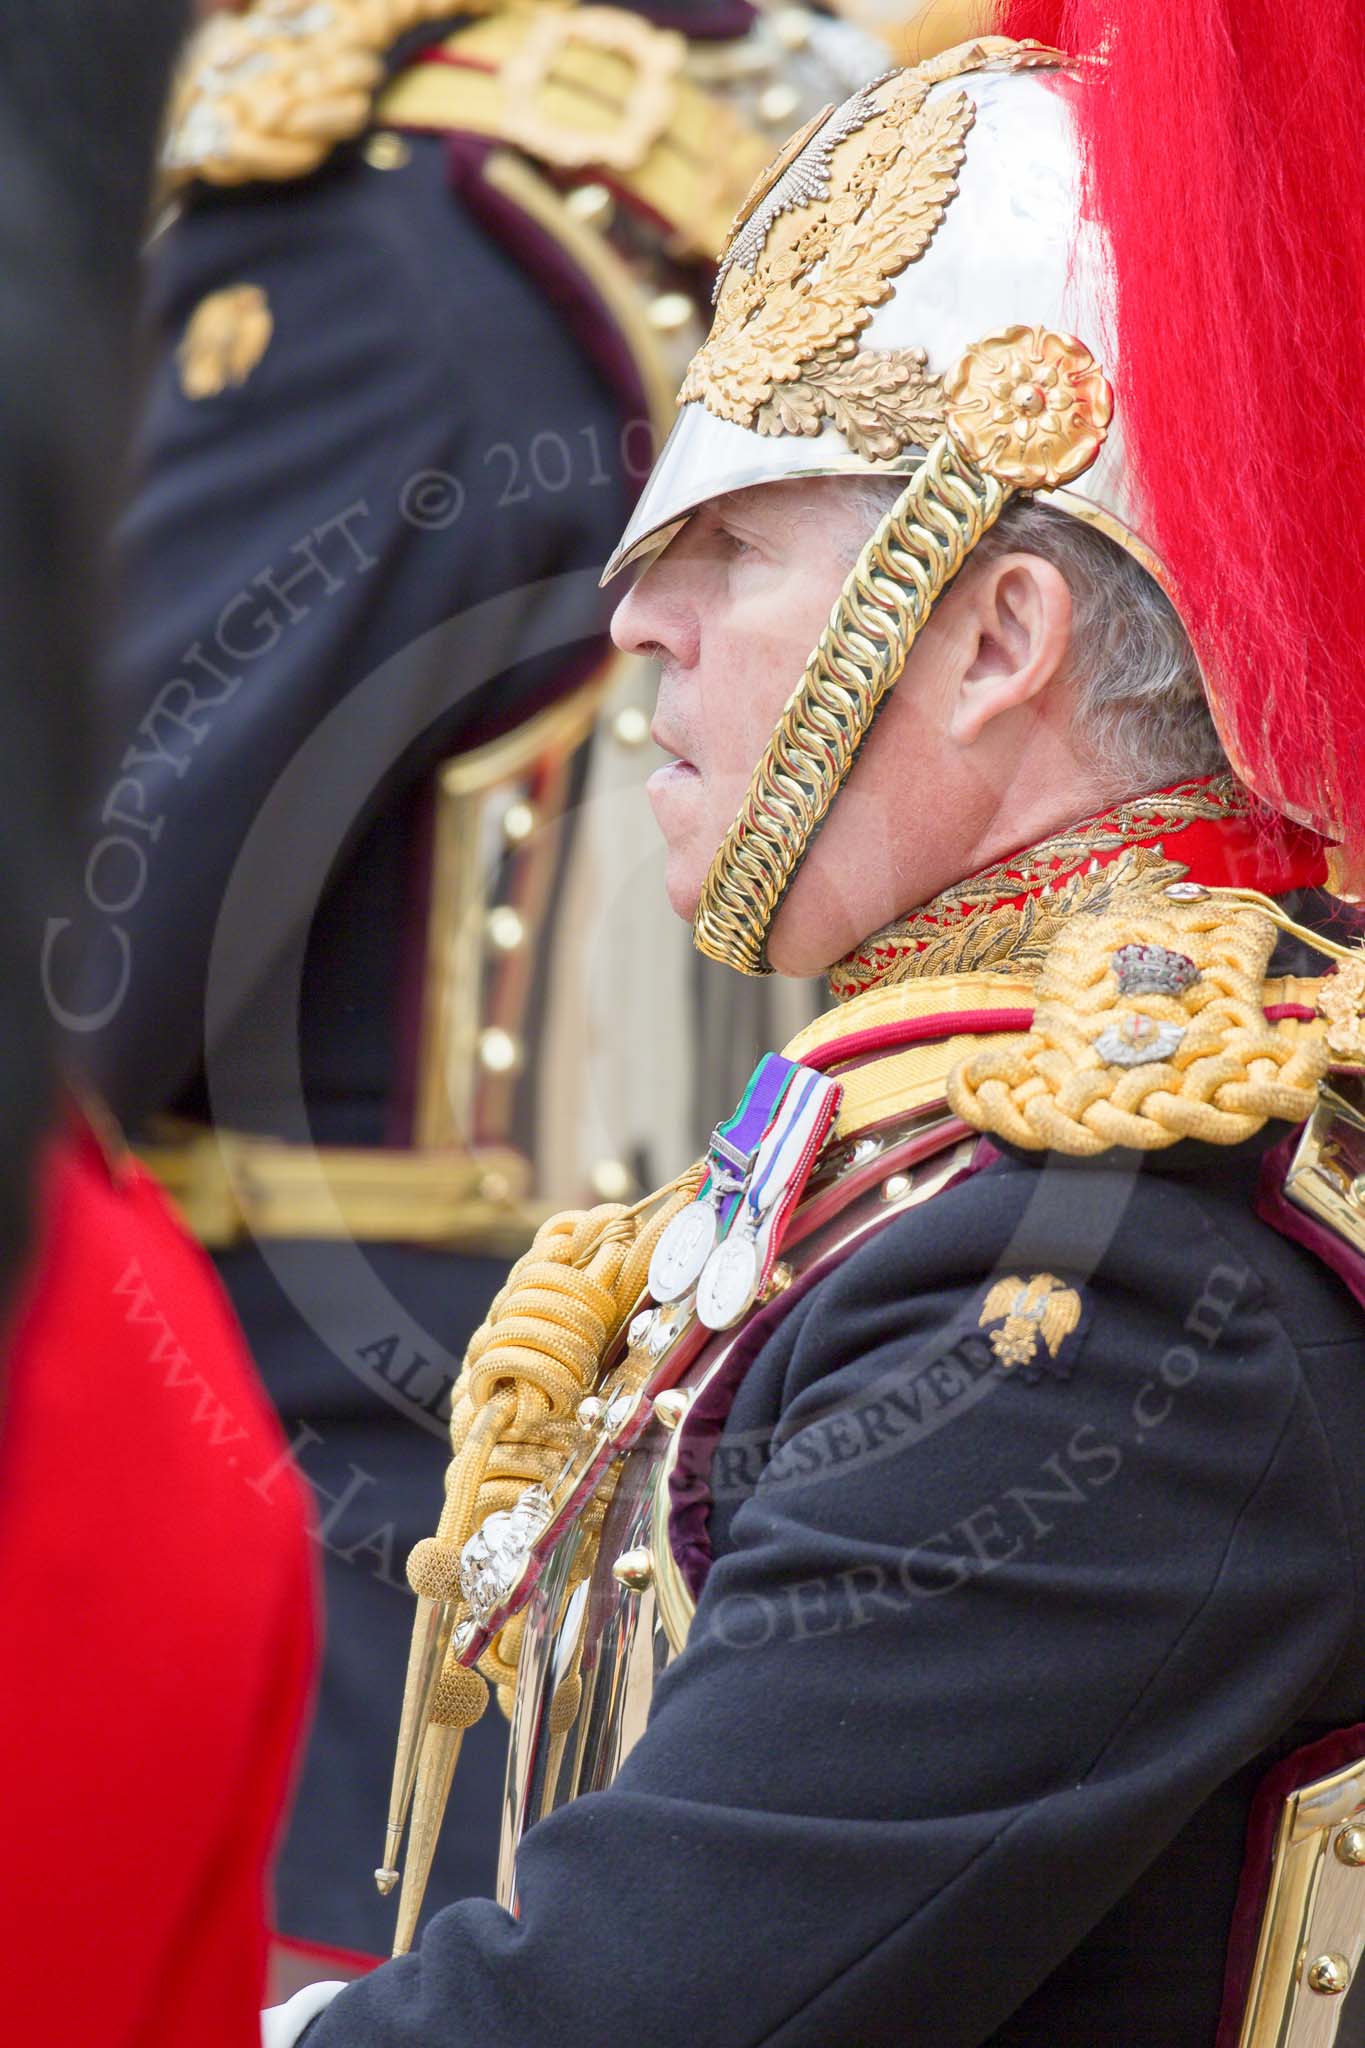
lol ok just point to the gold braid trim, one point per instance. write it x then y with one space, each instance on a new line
919 546
1003 920
1229 1071
531 1361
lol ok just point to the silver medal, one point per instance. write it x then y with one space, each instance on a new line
682 1251
729 1281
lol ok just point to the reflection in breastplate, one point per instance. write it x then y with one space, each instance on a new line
587 1673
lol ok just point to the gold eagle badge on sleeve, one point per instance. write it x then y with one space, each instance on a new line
1040 1310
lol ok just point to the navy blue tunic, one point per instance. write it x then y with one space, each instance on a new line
988 1663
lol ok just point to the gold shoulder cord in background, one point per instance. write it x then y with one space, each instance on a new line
268 94
579 90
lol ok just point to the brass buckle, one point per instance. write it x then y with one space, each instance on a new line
655 56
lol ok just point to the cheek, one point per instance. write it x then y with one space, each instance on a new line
732 715
750 659
747 675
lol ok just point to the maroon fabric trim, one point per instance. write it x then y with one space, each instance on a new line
689 1486
1332 1753
717 20
1346 1745
439 54
549 263
1274 1207
914 1031
588 321
706 21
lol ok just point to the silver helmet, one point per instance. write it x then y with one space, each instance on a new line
909 290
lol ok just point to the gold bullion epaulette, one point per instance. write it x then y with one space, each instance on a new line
269 93
1156 1022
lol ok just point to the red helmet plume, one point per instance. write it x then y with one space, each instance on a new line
1223 147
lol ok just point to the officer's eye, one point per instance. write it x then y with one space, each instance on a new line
735 544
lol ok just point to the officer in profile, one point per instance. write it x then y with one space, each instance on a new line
421 291
924 1543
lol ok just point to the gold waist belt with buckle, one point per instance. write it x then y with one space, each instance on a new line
230 1186
593 90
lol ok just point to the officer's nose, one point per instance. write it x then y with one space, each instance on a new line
657 618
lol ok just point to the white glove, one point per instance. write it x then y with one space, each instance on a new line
281 2025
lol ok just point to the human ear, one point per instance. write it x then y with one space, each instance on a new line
1017 623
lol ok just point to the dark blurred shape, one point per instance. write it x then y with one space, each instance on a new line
80 97
149 1514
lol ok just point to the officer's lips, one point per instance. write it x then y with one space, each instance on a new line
675 773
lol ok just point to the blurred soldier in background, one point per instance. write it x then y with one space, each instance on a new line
417 317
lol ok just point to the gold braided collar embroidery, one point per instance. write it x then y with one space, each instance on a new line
1005 918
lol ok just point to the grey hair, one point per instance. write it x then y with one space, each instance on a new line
1141 714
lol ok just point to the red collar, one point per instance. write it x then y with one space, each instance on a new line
1002 920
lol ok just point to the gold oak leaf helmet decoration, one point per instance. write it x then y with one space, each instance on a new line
901 296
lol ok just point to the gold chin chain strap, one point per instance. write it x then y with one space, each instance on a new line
513 1427
916 550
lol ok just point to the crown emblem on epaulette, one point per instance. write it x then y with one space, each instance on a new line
1153 971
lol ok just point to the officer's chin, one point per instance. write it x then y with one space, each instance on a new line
675 797
815 926
682 883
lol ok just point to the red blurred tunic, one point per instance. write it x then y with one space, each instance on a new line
156 1611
